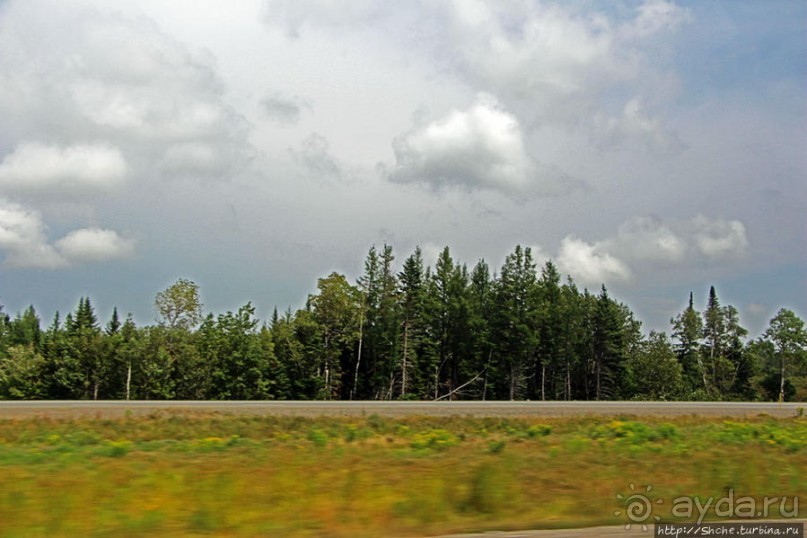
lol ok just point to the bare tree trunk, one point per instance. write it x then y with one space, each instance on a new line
128 379
358 355
327 370
782 381
436 381
450 394
543 382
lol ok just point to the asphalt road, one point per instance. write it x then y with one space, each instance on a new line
109 409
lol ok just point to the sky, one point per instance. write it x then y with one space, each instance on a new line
255 146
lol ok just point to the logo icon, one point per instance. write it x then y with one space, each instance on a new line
638 507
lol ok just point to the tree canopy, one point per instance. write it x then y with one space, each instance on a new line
408 332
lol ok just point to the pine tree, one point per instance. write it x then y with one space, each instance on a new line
688 331
412 292
514 334
713 334
555 365
480 311
608 340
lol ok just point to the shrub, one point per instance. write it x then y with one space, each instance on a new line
433 440
538 430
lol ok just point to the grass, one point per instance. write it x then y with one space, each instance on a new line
174 474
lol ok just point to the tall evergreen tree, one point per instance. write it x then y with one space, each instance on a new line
412 293
555 365
25 330
714 331
514 334
480 311
688 332
608 340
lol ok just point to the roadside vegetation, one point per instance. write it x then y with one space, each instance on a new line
180 474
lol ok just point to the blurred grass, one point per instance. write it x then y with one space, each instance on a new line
182 474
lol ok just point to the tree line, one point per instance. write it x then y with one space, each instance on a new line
416 333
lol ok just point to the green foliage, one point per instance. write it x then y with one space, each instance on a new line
438 439
179 306
318 437
653 371
792 439
420 332
538 430
634 433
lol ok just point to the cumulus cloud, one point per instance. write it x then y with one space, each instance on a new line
283 109
94 245
648 238
719 238
550 64
74 75
482 147
651 239
23 239
36 167
114 78
643 243
24 242
590 263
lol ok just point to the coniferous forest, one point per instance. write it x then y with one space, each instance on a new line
408 332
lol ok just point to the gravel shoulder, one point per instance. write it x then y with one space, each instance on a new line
113 409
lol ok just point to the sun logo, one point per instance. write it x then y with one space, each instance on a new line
638 507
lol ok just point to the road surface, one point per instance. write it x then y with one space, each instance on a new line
111 409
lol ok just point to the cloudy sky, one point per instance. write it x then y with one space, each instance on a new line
255 146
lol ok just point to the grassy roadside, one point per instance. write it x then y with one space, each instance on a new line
173 474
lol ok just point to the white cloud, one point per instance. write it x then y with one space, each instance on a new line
23 239
77 74
590 264
94 245
555 64
719 238
648 238
33 167
24 242
481 147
